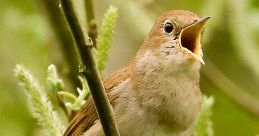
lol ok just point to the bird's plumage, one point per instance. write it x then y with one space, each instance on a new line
158 93
87 116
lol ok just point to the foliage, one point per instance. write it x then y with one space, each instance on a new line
104 38
103 44
203 125
46 115
42 108
229 42
56 86
78 101
54 83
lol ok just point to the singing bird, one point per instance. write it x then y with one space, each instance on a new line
157 93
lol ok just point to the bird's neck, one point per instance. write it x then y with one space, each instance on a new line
150 73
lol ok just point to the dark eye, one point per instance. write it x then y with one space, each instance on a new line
168 27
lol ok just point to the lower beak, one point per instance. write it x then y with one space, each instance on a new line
190 38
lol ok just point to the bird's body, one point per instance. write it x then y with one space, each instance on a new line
158 93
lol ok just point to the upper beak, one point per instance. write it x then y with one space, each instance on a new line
190 38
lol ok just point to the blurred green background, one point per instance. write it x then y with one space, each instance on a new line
230 45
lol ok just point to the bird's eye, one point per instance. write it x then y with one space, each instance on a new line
168 27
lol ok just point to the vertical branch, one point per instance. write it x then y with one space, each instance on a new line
90 19
61 31
89 69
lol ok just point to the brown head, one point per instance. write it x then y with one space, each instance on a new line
175 39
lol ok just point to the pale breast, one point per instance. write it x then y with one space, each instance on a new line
134 120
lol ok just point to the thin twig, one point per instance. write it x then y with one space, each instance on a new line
90 19
89 69
230 89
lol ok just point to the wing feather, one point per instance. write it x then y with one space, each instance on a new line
87 116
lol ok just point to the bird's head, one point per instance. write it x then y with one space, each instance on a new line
174 41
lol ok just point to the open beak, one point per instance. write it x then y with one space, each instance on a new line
190 38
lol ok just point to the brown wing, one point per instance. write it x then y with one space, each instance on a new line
86 117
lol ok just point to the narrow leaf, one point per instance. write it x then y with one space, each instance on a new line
104 38
42 108
203 125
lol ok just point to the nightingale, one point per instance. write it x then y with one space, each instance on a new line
157 93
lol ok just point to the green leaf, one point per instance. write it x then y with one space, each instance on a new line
42 108
78 101
104 38
203 125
